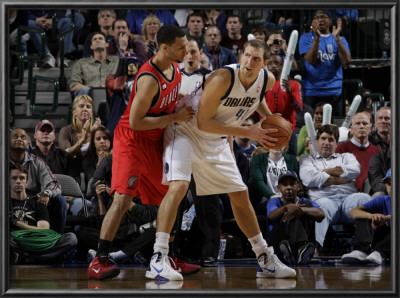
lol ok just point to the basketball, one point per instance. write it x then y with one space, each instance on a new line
284 130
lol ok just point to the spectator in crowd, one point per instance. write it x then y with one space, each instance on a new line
292 222
329 178
123 41
346 106
195 27
324 54
317 117
27 214
379 164
234 40
218 55
260 32
381 135
92 71
135 18
150 26
41 181
276 43
359 145
58 160
75 137
287 101
105 19
266 167
215 17
205 61
119 88
367 100
243 149
100 147
372 239
43 20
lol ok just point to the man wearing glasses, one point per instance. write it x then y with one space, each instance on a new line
324 54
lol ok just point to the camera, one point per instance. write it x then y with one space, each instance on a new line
276 41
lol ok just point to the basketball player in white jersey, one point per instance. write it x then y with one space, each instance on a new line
200 146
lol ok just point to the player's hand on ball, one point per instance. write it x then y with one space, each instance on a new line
261 135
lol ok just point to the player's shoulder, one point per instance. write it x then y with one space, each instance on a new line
221 74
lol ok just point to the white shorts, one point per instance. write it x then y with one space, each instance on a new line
210 160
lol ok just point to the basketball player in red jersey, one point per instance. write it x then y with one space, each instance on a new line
138 139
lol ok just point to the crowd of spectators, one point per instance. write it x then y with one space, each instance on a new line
333 180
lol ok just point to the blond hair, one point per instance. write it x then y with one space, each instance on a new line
86 98
146 21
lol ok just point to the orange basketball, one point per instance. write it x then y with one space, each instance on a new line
284 130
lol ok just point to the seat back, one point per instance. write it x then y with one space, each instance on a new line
71 188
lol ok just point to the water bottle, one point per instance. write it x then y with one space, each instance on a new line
384 59
149 225
222 247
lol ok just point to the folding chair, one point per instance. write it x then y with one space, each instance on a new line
69 187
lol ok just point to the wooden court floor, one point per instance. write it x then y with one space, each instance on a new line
235 277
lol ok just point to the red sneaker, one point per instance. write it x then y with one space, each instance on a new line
184 267
101 271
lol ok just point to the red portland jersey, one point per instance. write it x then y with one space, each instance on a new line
165 100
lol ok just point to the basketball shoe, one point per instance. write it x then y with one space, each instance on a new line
183 267
270 266
98 270
286 251
160 268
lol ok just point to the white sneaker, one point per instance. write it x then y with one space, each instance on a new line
270 266
160 268
354 257
66 61
49 61
374 257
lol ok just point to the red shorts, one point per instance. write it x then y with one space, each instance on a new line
138 157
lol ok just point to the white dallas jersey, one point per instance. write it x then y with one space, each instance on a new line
236 105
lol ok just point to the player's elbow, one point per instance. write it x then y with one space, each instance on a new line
201 124
133 124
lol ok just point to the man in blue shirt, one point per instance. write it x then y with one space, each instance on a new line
291 222
324 54
372 230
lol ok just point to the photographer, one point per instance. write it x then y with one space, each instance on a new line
276 43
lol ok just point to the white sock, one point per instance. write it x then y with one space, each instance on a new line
161 243
259 245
